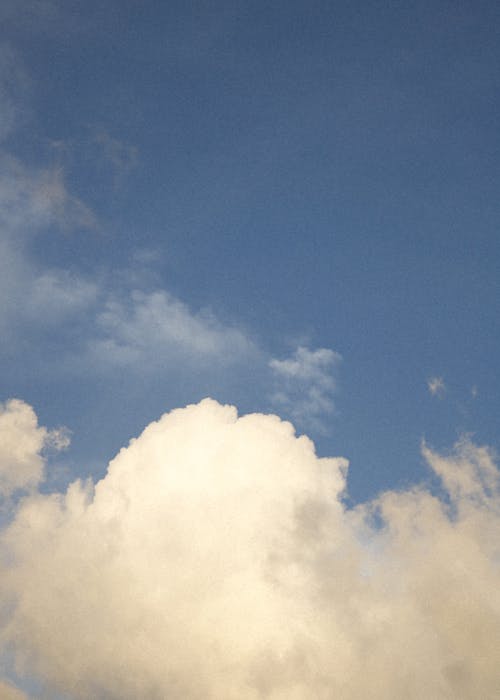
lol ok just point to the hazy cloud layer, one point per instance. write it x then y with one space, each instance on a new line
9 692
216 560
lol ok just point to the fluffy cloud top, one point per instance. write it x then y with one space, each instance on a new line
21 443
217 560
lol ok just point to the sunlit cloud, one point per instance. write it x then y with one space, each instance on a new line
217 559
22 442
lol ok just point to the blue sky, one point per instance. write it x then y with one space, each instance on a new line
320 176
292 208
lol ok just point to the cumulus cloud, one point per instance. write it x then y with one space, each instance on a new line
217 560
436 386
22 441
305 384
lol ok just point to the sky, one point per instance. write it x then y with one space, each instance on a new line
290 208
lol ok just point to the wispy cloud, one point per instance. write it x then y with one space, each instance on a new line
122 323
33 202
305 384
99 324
147 330
436 386
121 157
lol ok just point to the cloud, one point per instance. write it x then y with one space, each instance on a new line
216 559
98 324
31 199
121 157
34 201
436 386
124 326
149 329
305 384
57 293
10 692
22 441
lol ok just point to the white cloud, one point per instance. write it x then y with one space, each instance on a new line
119 325
21 443
436 386
31 201
103 323
216 560
305 384
55 294
149 329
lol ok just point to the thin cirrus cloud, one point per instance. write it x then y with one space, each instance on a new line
98 324
216 559
148 327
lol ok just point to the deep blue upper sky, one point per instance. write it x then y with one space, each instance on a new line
318 174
